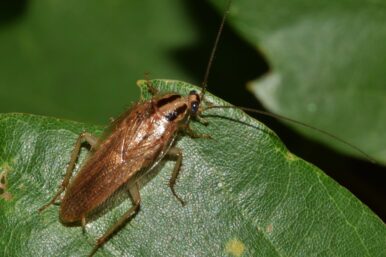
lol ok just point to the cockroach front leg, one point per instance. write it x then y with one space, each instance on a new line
150 88
175 153
190 132
136 199
84 137
200 119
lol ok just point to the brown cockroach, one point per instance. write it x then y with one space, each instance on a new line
135 143
139 139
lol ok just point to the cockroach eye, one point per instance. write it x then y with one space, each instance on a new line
195 106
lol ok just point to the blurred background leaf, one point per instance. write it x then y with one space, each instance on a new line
80 61
327 66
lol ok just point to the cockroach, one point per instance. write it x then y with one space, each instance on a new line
135 143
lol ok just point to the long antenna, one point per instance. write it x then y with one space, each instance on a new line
211 57
277 116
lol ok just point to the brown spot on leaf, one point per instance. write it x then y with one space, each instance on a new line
269 228
4 170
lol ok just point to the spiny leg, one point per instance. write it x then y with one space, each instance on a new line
150 88
176 153
84 137
136 199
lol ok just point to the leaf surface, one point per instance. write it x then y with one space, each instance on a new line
246 196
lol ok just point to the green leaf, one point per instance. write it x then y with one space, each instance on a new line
246 196
327 65
80 59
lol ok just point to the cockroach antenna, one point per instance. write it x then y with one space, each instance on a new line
280 117
212 54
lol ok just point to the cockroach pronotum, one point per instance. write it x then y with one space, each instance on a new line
135 143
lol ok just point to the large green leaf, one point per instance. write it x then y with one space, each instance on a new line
80 59
246 196
327 63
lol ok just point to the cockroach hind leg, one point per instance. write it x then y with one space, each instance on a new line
53 199
83 137
127 216
175 153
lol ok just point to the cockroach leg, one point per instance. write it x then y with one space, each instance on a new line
83 137
200 119
83 223
176 153
150 88
190 132
136 199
